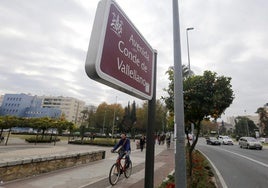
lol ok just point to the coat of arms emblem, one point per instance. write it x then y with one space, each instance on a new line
116 25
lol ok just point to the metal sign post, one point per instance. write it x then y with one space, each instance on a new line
120 57
149 161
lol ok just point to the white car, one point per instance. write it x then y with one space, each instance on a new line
226 140
250 143
262 140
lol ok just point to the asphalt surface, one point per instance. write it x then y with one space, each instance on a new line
90 175
238 167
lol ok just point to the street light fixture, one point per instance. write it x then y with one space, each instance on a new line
189 65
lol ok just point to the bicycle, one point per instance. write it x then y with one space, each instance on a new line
118 168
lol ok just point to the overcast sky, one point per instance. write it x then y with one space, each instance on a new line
43 46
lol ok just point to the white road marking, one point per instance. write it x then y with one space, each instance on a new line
242 156
250 159
217 172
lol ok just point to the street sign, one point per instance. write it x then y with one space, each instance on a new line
118 55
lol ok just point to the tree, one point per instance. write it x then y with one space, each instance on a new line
142 113
105 116
102 114
129 119
133 113
169 101
7 122
263 116
161 117
244 126
205 96
222 129
207 127
84 116
91 120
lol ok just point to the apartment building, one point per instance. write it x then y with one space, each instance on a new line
1 99
71 108
25 105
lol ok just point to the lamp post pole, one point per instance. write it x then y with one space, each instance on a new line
189 69
188 52
114 117
246 123
103 124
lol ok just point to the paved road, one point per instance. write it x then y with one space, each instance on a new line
238 167
91 175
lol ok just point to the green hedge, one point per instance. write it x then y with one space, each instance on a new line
97 141
42 139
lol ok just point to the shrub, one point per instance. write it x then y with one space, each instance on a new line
42 139
202 175
97 141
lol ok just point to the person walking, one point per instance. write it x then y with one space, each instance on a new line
142 142
168 139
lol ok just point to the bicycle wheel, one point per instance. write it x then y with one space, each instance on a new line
128 171
114 174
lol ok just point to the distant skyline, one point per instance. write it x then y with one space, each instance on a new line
43 47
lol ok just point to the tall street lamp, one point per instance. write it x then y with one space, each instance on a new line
103 124
246 123
189 70
189 65
114 117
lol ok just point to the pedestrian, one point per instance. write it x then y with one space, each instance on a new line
125 149
168 139
159 139
142 142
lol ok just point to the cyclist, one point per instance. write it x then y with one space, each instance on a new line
125 148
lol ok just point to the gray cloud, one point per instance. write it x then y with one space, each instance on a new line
43 46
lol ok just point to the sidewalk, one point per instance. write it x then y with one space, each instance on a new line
166 159
94 174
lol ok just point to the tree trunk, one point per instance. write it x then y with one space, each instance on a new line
191 149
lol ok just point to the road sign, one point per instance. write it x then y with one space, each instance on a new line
118 55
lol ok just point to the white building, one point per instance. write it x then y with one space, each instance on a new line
255 119
71 108
90 107
1 99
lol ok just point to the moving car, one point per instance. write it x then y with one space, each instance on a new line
263 140
213 141
226 140
249 143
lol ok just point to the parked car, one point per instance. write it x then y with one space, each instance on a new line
250 143
226 140
213 141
